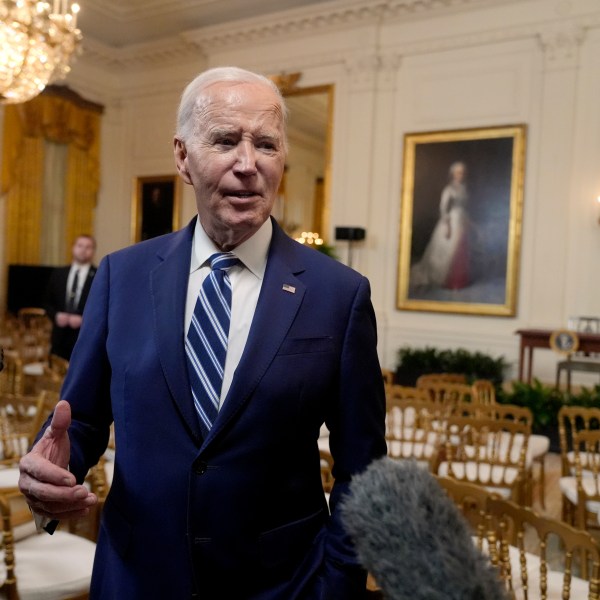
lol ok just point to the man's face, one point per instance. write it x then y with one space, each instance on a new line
83 250
235 160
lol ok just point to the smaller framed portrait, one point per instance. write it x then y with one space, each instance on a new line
155 207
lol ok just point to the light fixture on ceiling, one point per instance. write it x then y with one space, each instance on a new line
37 41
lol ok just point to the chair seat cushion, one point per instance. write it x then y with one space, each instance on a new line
50 567
9 477
495 479
416 450
568 487
539 445
584 458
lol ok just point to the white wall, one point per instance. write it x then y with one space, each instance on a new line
535 62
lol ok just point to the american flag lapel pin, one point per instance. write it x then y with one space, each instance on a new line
289 288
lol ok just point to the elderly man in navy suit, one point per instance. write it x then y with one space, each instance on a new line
220 500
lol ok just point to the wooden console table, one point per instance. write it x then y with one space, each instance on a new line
540 338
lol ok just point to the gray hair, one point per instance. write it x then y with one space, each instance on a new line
196 89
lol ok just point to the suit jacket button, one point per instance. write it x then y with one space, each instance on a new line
200 467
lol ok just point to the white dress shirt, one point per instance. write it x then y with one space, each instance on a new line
246 281
82 273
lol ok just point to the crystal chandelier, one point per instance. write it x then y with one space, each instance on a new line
36 43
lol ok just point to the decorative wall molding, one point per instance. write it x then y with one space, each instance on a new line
559 39
372 70
165 52
561 45
337 15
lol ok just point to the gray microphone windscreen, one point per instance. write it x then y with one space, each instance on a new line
412 538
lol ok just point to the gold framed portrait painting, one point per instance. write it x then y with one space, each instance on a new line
461 215
156 206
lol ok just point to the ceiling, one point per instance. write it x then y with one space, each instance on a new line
120 23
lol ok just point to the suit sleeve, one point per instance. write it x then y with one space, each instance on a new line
86 385
357 437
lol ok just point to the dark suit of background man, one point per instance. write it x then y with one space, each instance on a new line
238 513
67 293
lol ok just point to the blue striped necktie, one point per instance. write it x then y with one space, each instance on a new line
206 341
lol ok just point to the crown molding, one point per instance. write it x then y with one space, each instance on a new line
337 15
314 19
164 52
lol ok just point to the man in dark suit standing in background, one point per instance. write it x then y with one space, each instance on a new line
217 490
67 294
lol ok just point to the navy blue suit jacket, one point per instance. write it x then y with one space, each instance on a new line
240 514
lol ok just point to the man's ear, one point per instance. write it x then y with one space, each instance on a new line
180 153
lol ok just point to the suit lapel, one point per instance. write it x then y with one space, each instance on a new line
86 288
280 298
168 288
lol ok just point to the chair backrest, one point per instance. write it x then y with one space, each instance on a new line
47 400
58 364
586 450
522 540
18 414
521 414
326 471
32 317
11 378
491 452
448 392
427 378
472 500
33 338
484 391
572 420
388 376
406 392
415 429
531 551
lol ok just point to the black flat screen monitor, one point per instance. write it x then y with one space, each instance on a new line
27 286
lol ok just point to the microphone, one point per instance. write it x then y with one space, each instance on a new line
412 538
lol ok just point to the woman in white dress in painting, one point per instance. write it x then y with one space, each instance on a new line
445 262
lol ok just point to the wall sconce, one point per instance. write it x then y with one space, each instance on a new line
598 201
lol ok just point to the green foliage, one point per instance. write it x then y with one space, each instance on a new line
545 401
413 362
327 249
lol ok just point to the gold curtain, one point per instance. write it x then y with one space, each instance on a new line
61 116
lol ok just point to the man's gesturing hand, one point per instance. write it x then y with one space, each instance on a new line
50 489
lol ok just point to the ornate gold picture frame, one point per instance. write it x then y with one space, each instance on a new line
461 215
155 206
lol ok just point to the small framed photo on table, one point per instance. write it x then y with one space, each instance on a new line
155 207
461 211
